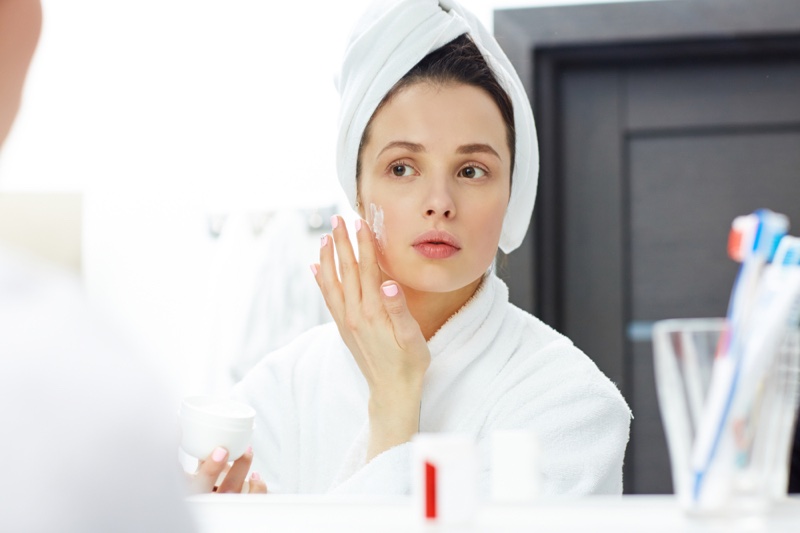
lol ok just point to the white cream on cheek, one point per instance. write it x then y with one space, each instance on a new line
376 223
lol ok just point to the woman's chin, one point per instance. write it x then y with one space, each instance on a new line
437 284
430 278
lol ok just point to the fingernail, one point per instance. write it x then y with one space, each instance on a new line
323 241
389 290
249 450
358 224
334 221
314 269
219 454
255 476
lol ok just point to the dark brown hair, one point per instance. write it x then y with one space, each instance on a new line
459 61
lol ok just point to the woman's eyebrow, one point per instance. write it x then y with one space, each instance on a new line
476 149
412 147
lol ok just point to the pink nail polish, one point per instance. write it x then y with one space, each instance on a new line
219 454
314 269
249 450
255 476
323 241
389 290
335 221
358 224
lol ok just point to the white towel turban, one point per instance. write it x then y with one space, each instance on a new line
389 39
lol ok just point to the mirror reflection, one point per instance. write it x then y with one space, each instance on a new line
307 246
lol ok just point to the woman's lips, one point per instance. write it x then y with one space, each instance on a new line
433 250
436 245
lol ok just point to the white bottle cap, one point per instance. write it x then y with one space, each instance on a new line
516 475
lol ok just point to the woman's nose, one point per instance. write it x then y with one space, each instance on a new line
439 201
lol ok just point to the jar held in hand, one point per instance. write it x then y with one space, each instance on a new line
207 422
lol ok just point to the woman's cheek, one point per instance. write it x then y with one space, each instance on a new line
376 218
492 228
390 256
377 221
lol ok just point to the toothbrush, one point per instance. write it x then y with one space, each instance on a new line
776 308
764 233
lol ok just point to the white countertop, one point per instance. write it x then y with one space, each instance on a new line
278 513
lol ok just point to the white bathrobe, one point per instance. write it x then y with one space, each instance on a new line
493 366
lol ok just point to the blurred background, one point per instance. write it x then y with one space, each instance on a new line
172 132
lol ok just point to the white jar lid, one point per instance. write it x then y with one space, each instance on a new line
219 412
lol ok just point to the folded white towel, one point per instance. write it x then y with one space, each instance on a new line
387 42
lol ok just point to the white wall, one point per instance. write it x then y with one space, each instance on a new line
163 111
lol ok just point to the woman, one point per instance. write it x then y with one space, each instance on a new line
437 154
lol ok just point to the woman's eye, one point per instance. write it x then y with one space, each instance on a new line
472 172
402 170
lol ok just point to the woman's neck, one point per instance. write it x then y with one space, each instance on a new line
432 309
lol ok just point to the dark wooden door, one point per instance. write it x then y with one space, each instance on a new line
658 123
655 162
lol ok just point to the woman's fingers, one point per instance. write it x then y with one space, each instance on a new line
236 476
368 266
328 279
406 329
216 466
209 470
257 485
348 268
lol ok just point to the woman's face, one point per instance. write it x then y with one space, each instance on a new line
435 184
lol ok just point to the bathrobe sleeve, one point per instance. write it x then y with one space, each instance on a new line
389 473
308 439
581 421
268 389
310 432
579 416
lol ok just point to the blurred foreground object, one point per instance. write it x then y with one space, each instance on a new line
86 434
45 225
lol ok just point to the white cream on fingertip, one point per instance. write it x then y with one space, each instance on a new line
376 223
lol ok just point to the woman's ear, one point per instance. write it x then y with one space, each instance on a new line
360 206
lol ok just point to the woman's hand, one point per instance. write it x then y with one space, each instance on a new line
211 469
377 327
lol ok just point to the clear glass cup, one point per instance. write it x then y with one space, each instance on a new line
749 469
